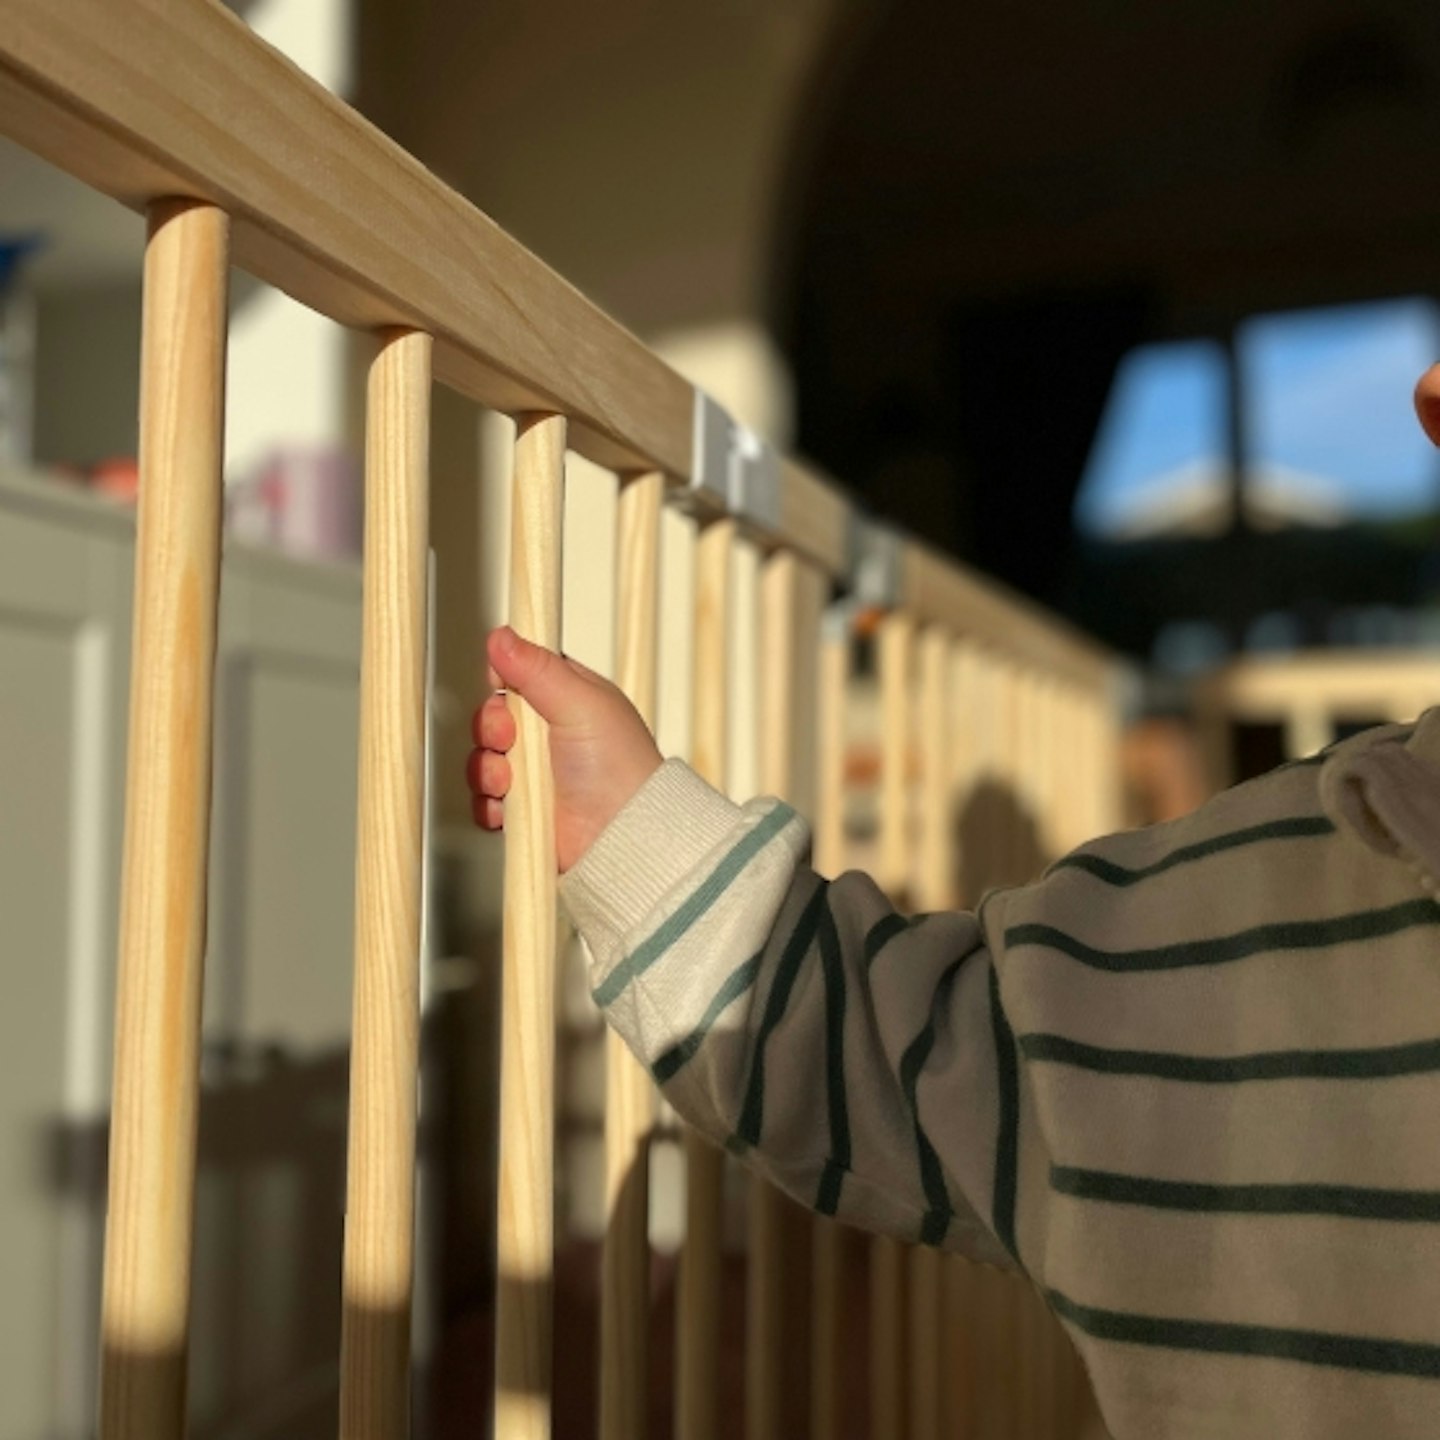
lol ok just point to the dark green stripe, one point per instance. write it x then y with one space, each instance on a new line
882 933
912 1062
1309 1347
935 1226
747 1132
696 905
833 966
1420 1058
1300 827
740 979
1284 935
1007 1137
832 1177
1348 1201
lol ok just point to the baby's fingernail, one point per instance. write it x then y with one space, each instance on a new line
505 640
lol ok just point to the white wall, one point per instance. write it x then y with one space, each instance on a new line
287 364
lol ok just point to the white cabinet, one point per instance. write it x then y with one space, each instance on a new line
277 1010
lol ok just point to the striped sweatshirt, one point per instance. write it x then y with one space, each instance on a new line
1188 1081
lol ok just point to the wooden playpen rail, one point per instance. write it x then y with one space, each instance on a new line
236 157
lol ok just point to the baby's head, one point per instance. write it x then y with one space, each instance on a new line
1427 402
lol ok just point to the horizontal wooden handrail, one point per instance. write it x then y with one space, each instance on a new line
143 99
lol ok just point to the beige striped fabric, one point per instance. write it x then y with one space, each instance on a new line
1189 1081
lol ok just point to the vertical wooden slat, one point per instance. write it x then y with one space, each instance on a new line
792 596
629 1096
527 1042
167 822
697 1343
895 643
1050 764
962 1328
965 731
887 1339
934 871
384 1051
766 1348
827 1247
1004 1313
924 1296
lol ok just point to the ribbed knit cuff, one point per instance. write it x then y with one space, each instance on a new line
665 830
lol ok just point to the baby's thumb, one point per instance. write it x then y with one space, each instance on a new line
538 675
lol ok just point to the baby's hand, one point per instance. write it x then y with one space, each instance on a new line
600 750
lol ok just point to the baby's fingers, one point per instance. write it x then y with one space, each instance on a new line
489 814
488 773
493 727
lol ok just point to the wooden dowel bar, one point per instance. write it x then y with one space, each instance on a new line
935 872
895 861
525 1247
792 596
934 890
148 1237
766 1351
384 1051
827 1262
630 1097
888 1351
698 1320
887 1340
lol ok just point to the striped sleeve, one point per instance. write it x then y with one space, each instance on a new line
1188 1081
800 1022
1220 1156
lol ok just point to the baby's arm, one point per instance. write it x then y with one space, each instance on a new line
847 1052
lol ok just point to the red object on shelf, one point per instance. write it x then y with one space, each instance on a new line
118 478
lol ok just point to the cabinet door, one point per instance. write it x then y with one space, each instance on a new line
64 640
266 1332
269 1212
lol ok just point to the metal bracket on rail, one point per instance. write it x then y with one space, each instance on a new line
754 480
709 490
875 569
733 471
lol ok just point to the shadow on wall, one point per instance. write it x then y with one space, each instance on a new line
999 841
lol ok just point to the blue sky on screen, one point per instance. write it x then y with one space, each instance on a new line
1328 393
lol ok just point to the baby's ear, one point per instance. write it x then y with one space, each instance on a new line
1427 402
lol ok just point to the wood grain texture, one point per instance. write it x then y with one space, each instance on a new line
698 1320
525 1244
629 1094
167 823
384 1050
161 98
